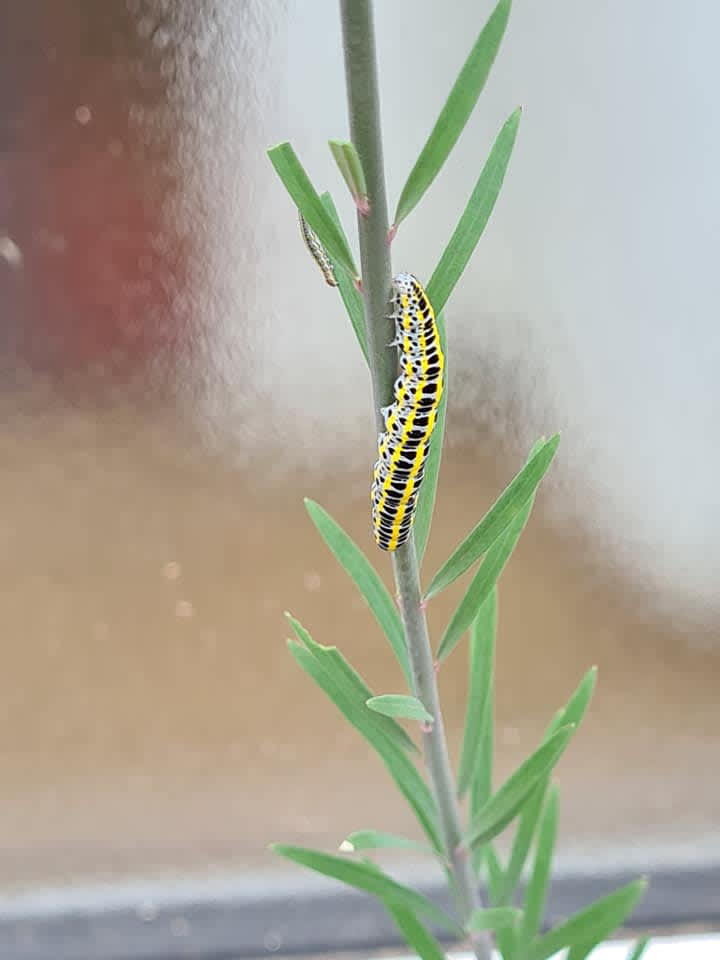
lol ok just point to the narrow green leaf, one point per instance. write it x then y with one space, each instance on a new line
472 223
456 112
593 924
415 932
428 490
393 754
504 806
505 939
580 951
348 161
505 936
572 713
537 887
522 841
370 879
493 918
399 705
497 519
482 656
481 785
538 445
639 949
576 707
482 780
366 579
377 840
298 185
346 689
345 682
483 582
494 873
348 291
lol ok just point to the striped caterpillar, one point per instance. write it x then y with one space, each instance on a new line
410 419
317 251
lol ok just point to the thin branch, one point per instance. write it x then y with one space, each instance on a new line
364 111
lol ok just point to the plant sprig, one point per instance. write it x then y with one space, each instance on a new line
527 799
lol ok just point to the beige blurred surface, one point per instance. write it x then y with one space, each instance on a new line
174 378
153 720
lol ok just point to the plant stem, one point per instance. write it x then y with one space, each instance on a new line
364 111
435 749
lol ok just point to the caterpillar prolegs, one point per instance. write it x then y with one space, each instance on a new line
410 420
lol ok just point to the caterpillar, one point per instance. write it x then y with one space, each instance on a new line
317 251
409 421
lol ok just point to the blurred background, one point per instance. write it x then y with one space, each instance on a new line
175 377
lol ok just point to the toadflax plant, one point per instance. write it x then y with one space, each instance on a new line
510 915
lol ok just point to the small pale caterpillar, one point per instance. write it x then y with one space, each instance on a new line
317 251
411 418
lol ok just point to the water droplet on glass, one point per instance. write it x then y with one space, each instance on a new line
10 252
172 570
312 581
161 38
179 927
184 609
147 911
510 736
272 941
83 114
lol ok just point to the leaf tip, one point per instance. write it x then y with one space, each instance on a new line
552 444
346 847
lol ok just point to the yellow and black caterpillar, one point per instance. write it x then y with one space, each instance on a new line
410 419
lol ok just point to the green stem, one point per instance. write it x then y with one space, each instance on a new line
364 111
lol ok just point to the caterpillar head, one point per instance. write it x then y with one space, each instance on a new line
406 284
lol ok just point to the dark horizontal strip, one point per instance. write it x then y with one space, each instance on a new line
305 920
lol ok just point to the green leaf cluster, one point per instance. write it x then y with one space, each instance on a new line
320 213
526 799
